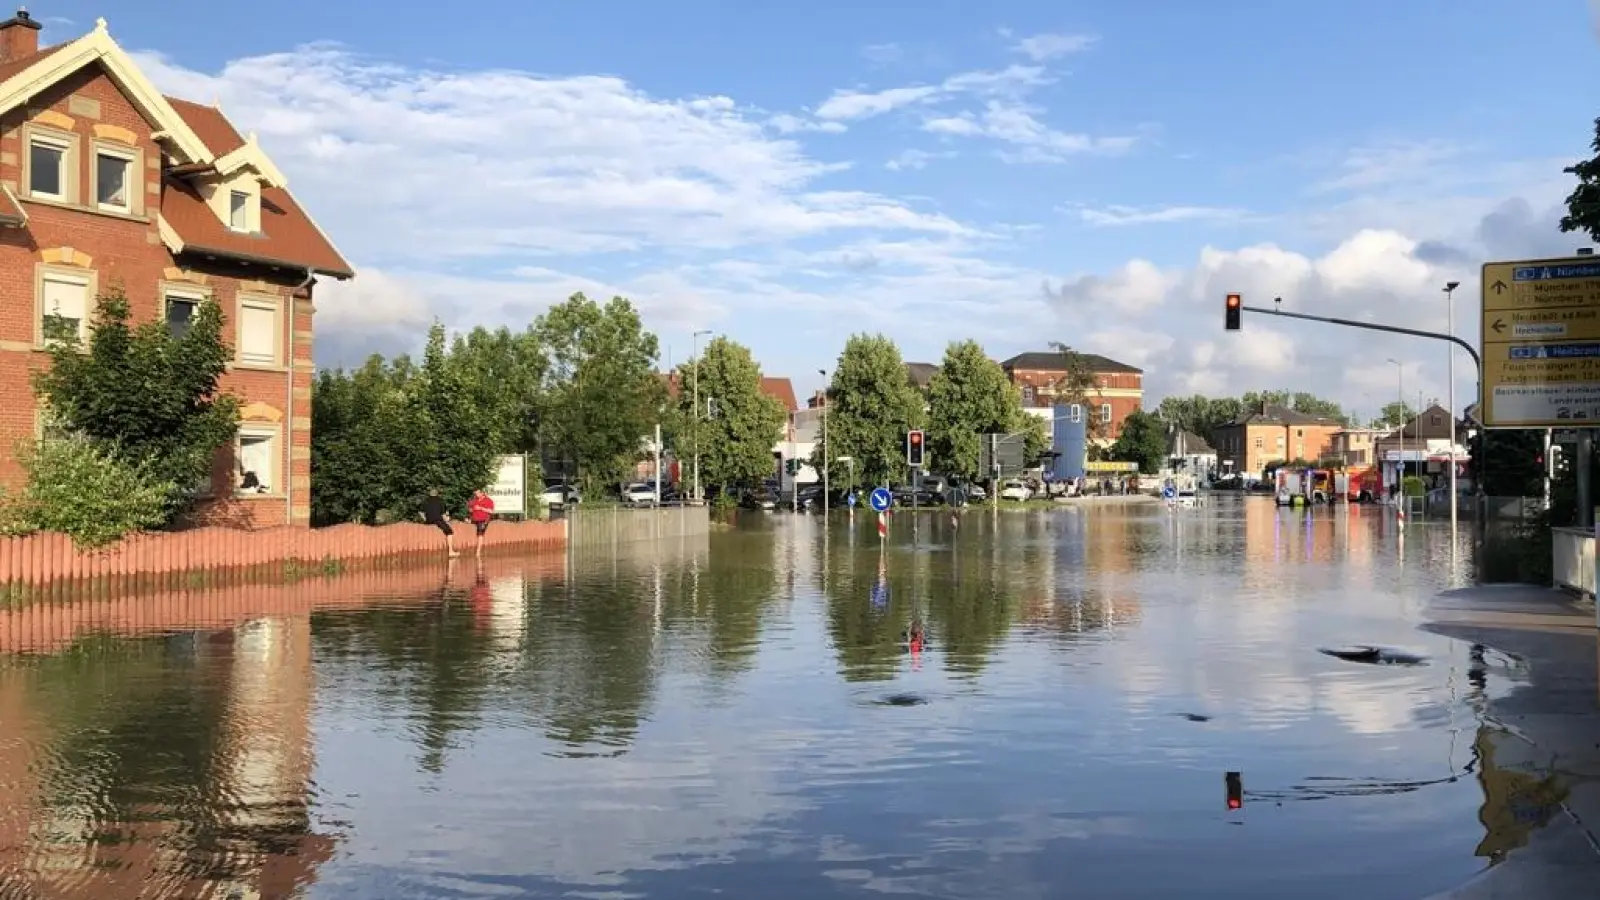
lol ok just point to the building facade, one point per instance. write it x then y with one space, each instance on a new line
1273 434
107 184
1118 389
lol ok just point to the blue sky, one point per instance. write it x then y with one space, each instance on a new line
1094 173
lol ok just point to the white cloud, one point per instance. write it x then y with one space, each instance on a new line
790 124
853 104
1031 140
914 159
1041 47
1115 215
883 53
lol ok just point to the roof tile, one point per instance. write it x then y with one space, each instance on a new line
1050 361
15 66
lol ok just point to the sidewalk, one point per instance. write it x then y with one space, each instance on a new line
1550 744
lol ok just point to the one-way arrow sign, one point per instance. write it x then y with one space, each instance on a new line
1498 326
1499 287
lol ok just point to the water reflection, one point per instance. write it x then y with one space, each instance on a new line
750 713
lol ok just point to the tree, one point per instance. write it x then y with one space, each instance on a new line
512 367
1199 414
871 405
1079 385
1583 204
448 434
81 488
145 395
1394 414
969 396
602 397
1143 440
735 437
356 431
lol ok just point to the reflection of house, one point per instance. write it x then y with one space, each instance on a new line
1270 434
105 182
1118 387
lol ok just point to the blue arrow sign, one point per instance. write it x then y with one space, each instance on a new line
881 499
851 499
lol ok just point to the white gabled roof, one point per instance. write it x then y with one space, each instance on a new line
97 46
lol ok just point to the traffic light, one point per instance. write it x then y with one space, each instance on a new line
1235 307
914 449
1235 790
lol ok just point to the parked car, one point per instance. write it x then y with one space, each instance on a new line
639 493
905 495
764 498
1014 490
976 493
560 495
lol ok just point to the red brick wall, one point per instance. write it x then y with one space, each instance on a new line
1042 381
128 251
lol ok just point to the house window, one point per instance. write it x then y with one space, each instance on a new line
1259 444
48 173
256 461
1027 394
259 333
181 311
51 431
1105 413
1075 413
239 210
1438 419
113 177
63 307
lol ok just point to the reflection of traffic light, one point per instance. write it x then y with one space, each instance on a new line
914 448
1235 790
1230 320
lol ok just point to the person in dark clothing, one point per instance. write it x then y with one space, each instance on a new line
434 513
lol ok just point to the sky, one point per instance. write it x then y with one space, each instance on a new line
1020 173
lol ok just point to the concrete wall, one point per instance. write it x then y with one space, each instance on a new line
604 527
1572 559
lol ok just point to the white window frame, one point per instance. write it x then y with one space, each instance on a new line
44 420
244 211
1106 414
132 182
255 301
1075 413
274 437
68 146
170 293
84 280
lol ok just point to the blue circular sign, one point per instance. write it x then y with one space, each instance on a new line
881 499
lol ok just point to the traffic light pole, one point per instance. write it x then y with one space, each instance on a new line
1374 326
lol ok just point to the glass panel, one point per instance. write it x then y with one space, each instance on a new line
239 211
65 307
257 334
45 169
180 315
255 463
111 180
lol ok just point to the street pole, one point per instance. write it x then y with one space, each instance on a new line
1449 299
827 460
695 342
658 464
794 481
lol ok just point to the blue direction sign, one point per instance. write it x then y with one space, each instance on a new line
851 499
881 499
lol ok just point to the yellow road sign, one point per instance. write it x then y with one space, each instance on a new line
1541 343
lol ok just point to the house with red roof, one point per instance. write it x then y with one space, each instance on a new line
106 181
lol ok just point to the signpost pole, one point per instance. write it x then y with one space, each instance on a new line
658 464
1584 459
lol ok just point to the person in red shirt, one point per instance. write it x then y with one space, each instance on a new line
480 509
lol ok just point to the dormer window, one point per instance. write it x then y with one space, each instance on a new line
239 211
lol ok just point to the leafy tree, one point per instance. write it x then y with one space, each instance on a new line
1394 414
448 435
1199 414
1143 440
969 396
146 396
355 439
735 436
602 394
1299 401
1079 384
871 405
511 368
82 488
1583 204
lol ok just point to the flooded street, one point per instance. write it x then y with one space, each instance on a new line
742 715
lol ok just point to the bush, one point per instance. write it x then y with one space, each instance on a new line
88 493
1414 486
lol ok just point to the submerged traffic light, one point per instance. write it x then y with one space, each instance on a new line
1235 790
1235 307
914 449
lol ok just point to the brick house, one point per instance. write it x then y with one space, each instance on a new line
1118 390
1270 434
104 181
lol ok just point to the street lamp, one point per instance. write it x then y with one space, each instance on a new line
695 341
1449 302
1400 464
827 462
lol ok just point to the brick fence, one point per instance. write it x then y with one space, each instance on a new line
51 559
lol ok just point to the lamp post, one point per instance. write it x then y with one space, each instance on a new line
827 462
1449 302
695 341
1400 395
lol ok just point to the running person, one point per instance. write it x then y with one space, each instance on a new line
480 509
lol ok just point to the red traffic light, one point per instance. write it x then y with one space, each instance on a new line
916 437
1233 300
1232 313
1235 784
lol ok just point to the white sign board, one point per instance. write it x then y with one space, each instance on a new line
510 488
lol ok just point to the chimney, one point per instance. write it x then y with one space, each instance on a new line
19 37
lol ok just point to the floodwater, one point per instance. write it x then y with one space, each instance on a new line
740 715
